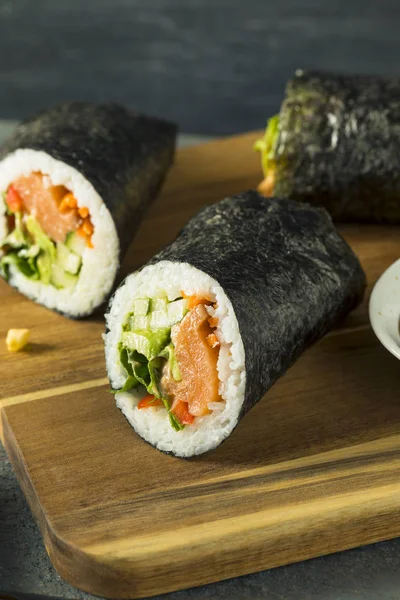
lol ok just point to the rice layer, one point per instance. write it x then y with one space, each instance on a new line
99 264
167 278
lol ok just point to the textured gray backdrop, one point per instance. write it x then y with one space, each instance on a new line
215 66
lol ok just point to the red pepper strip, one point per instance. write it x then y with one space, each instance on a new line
13 199
180 411
149 401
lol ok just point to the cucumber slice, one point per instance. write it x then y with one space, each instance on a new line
141 306
72 263
60 278
159 304
140 322
158 319
44 267
67 260
176 311
76 243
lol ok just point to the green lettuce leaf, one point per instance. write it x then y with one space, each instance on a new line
267 144
169 354
146 372
17 238
47 248
27 266
30 250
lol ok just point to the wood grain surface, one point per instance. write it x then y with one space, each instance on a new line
212 66
312 469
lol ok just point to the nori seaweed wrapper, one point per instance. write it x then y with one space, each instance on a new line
123 154
288 273
338 145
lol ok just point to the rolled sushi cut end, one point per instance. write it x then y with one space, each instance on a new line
336 143
175 357
58 242
197 337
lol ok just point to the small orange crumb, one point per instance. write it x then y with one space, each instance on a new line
212 340
83 212
196 300
68 203
70 200
213 322
87 227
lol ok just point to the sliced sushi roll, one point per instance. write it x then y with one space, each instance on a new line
336 144
197 336
74 183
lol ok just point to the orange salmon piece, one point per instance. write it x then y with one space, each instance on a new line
197 363
43 202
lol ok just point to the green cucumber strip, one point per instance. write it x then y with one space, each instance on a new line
141 307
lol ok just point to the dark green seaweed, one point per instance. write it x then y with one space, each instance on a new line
124 155
339 145
286 270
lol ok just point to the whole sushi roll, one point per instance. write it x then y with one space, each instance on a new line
197 336
336 144
74 183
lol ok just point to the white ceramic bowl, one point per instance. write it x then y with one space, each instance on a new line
384 308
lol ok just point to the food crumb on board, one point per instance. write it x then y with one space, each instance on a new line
17 339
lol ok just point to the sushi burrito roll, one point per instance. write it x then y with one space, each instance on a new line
197 336
74 183
336 144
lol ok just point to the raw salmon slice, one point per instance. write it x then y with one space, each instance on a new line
197 362
41 199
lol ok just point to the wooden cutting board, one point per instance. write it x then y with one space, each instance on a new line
314 468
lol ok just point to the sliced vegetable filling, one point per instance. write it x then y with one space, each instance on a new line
268 148
171 349
47 232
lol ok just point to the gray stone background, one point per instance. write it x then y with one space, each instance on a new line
214 66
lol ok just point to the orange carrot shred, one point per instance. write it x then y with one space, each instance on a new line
87 227
80 231
71 200
196 300
213 322
83 212
63 207
212 340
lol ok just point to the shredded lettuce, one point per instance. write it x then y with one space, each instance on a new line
27 266
34 254
21 252
146 372
47 249
145 346
169 354
267 145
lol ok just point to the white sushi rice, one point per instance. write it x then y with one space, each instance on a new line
99 264
168 279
